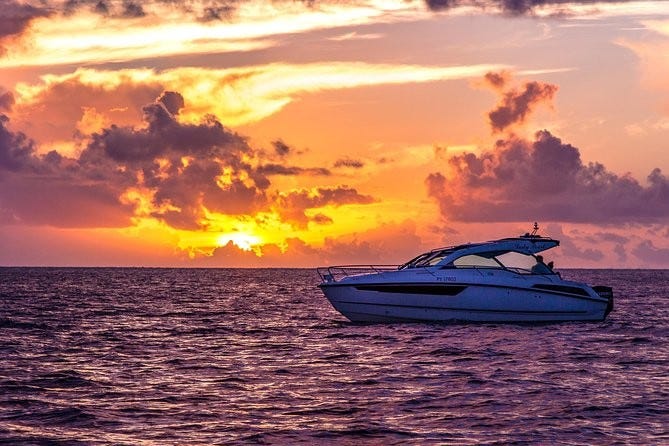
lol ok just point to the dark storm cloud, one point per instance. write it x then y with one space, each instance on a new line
516 104
544 179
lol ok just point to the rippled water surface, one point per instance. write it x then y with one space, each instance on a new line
221 356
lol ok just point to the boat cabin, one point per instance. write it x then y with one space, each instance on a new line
514 254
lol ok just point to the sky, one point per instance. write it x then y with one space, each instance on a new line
287 133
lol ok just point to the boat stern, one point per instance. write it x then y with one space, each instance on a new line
607 293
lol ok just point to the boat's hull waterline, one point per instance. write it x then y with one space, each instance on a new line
461 302
498 281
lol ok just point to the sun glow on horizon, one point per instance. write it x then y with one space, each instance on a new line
242 240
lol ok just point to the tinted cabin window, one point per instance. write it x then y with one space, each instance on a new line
516 260
473 260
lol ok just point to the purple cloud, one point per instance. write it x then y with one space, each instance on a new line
16 149
648 252
570 246
544 179
517 104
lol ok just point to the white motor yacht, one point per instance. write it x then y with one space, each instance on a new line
497 281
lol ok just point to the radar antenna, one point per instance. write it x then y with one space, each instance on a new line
535 229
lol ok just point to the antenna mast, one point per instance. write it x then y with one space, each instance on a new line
535 229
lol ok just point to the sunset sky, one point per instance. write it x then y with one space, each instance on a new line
211 133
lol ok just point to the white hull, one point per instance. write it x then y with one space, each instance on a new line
475 303
497 281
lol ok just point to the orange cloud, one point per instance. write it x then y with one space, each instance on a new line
200 183
292 206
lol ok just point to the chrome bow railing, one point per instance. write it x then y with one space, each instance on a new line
336 273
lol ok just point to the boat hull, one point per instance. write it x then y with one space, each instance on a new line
460 302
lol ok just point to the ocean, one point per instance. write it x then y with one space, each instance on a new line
140 356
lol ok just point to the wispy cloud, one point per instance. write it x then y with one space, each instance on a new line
651 50
87 36
72 32
353 35
237 95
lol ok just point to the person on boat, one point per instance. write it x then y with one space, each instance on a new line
540 267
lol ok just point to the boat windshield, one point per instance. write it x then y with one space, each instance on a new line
428 259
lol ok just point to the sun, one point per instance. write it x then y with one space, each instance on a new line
242 240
